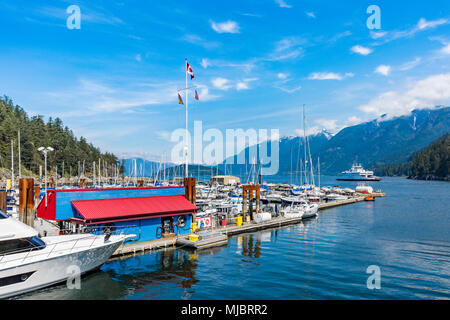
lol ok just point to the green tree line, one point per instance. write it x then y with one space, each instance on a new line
433 162
35 133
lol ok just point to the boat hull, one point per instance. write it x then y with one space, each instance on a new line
48 272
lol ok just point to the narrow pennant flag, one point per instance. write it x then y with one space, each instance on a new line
196 95
180 101
189 70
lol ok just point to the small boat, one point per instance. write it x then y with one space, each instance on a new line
29 263
369 198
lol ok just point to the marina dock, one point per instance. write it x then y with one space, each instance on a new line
231 230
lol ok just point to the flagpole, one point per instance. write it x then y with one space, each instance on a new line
187 142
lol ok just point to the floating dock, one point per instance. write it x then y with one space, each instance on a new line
205 240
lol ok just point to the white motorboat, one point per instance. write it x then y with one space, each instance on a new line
293 211
28 263
301 208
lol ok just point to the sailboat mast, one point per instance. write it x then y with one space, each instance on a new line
18 144
304 144
12 164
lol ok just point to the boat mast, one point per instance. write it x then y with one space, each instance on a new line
18 144
12 164
304 144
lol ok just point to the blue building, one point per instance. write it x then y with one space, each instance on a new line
148 212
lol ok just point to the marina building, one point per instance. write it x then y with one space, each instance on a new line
148 212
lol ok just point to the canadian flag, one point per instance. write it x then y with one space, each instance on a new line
189 70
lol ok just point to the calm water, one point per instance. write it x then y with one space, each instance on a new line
406 234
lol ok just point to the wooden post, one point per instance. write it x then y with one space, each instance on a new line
30 213
140 183
3 201
247 195
37 194
22 199
26 201
82 182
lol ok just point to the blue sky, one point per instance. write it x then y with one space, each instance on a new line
255 62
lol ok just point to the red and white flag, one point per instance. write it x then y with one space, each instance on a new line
189 70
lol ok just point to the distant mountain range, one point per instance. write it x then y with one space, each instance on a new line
375 143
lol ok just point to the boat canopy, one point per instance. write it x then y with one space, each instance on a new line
11 229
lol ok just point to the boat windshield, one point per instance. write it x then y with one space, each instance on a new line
3 215
21 245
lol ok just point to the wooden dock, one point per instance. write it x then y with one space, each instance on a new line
230 230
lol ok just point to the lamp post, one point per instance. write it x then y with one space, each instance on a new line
44 151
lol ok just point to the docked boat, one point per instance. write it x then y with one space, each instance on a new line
28 263
336 197
357 173
293 211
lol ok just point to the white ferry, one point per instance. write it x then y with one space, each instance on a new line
358 173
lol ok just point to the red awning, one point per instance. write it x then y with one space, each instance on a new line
110 210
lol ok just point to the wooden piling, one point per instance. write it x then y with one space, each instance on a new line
3 201
189 186
26 201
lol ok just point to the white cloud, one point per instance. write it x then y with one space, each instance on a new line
289 90
205 63
383 69
197 40
426 93
283 4
311 14
287 48
328 124
361 50
225 27
353 120
410 64
282 75
221 83
377 35
424 24
329 76
446 49
138 58
242 86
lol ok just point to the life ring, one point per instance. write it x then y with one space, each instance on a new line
181 221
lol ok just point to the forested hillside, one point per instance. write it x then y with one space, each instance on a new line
433 162
35 133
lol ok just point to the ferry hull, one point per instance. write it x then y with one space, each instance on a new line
359 179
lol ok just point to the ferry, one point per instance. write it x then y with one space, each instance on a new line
358 173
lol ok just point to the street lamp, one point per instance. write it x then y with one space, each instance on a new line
44 151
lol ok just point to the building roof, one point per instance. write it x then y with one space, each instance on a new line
113 210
